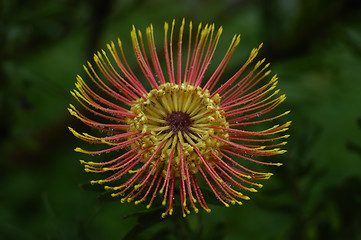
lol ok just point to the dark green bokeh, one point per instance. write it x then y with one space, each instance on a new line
313 45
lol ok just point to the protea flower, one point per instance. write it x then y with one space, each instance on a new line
173 126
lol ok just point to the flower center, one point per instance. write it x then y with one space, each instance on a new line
177 125
178 121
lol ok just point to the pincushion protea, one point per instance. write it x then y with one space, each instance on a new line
179 128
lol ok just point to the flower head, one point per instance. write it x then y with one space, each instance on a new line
173 127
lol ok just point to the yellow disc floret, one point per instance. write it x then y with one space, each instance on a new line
176 119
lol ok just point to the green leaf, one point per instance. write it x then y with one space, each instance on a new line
146 219
107 197
92 187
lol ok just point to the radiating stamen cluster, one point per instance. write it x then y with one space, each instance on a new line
177 118
184 130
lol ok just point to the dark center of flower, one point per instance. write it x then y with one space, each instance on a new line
178 121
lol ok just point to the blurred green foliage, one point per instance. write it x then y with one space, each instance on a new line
313 45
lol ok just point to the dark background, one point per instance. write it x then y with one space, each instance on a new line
313 45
